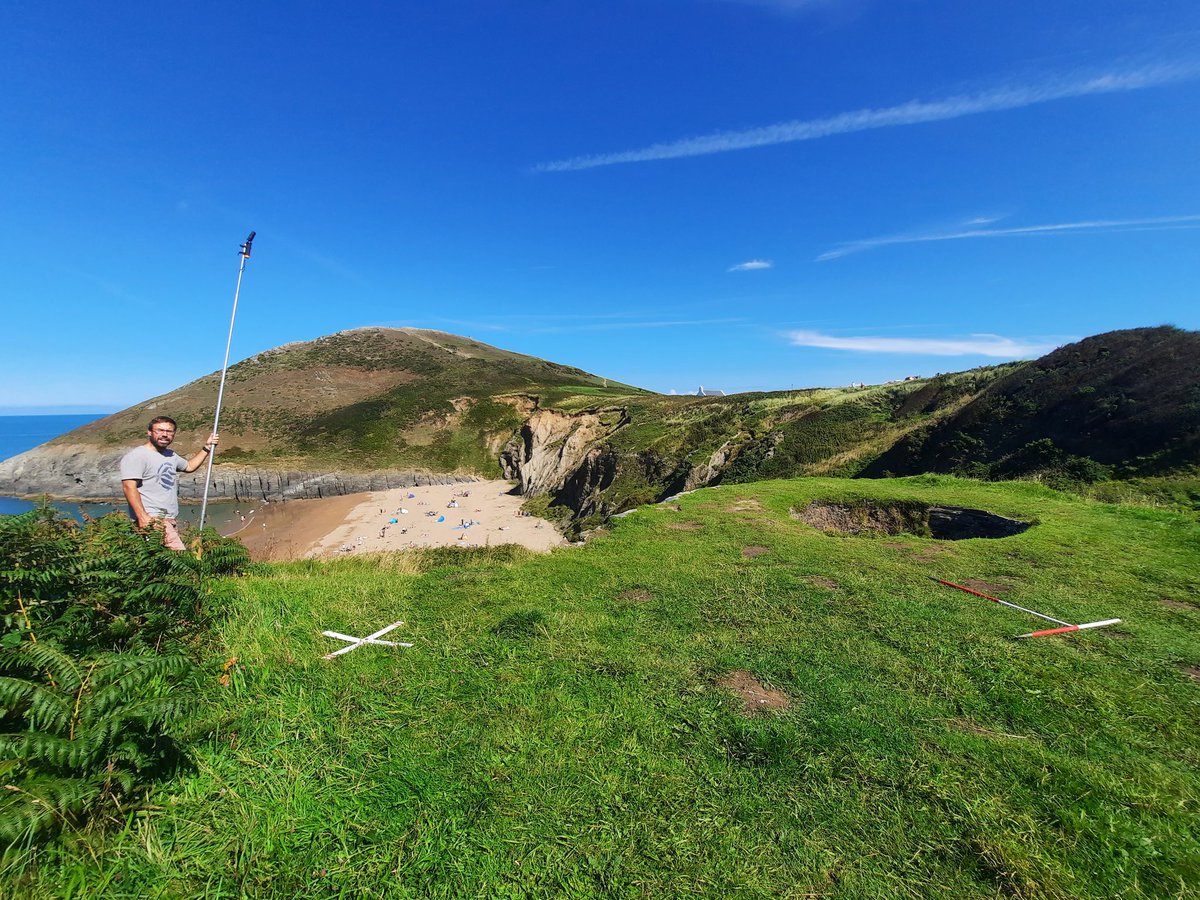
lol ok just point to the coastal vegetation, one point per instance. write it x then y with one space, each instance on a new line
711 698
1115 415
96 666
749 686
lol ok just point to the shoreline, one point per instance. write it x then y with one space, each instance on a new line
472 514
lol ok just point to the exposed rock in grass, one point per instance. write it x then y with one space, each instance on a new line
756 698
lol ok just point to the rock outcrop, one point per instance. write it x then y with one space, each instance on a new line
552 446
87 473
708 472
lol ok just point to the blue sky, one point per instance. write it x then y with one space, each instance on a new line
748 194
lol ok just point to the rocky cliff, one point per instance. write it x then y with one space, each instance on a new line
86 473
553 446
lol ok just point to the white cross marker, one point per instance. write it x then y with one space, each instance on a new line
356 642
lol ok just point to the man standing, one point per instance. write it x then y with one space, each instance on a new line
149 478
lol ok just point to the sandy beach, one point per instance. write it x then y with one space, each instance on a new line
477 514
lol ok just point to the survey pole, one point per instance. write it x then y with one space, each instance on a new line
245 255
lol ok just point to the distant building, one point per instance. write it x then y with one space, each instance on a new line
703 393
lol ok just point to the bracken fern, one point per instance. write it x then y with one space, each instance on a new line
93 679
79 731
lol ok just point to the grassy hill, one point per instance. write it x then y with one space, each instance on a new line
371 398
1123 405
713 700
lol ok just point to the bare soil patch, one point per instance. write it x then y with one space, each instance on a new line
685 526
1192 672
636 595
754 550
756 698
750 504
986 587
930 553
969 727
823 582
1175 604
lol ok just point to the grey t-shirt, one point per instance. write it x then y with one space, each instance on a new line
156 471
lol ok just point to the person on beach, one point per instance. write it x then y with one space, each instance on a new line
149 478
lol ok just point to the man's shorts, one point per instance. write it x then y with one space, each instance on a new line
171 537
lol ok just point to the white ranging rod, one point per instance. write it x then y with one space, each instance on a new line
245 255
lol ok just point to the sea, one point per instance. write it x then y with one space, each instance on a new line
21 433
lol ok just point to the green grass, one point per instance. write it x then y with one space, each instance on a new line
557 729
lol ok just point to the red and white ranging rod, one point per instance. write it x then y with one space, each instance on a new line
1065 626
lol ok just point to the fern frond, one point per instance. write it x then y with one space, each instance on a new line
16 693
51 750
44 803
46 657
50 710
160 711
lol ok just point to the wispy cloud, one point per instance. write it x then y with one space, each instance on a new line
751 265
911 113
1159 223
992 345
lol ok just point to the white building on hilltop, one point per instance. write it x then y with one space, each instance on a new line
703 393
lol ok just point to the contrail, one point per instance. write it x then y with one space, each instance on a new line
976 345
911 113
1160 223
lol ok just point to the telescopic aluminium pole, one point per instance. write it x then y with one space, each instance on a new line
1065 626
1032 612
245 255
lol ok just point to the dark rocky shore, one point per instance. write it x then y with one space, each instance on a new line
78 472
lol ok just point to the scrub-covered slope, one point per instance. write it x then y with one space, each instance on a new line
1125 403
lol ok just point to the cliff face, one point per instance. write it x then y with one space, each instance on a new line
552 446
86 473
